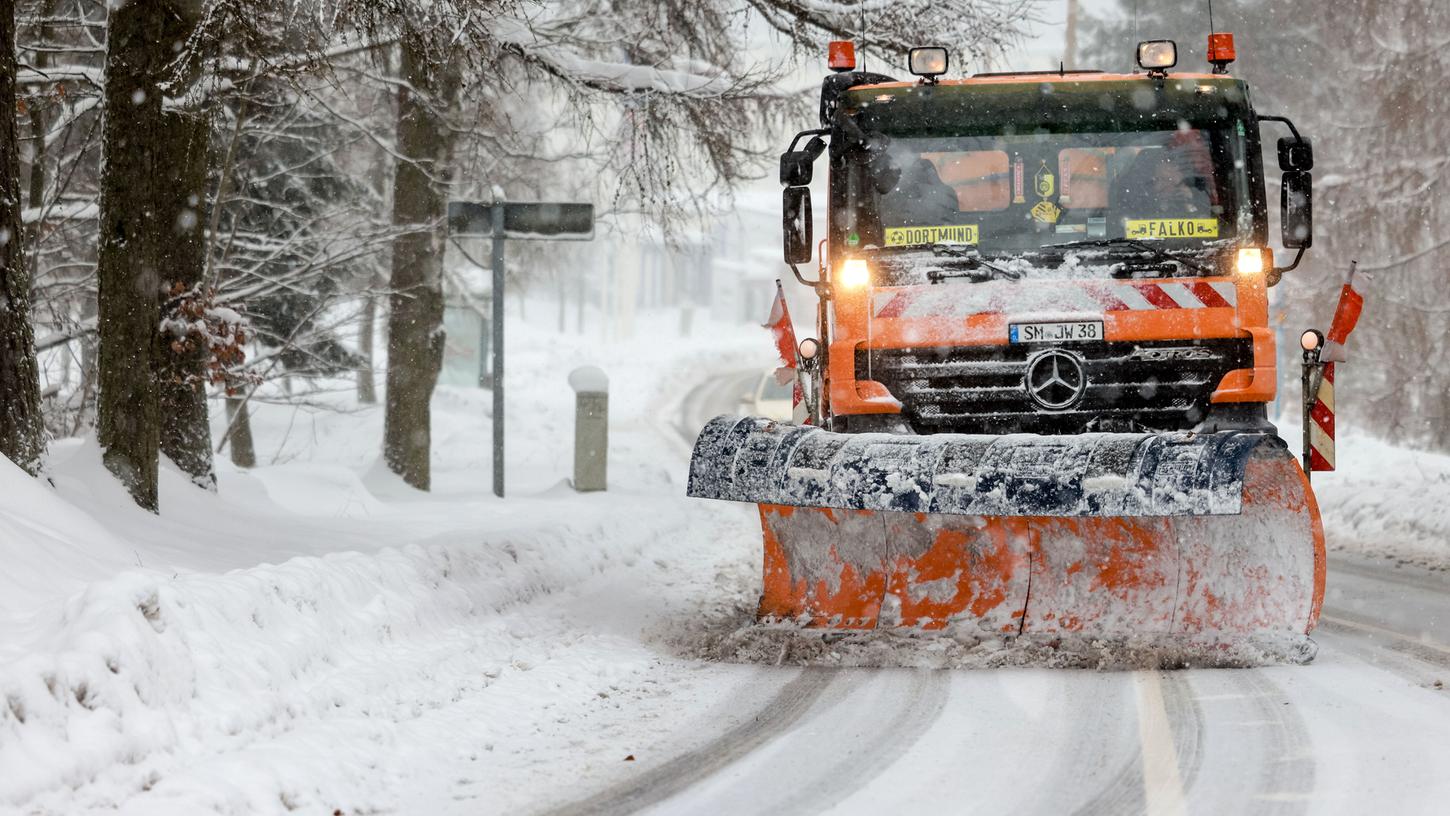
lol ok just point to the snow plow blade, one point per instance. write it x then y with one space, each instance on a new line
1176 535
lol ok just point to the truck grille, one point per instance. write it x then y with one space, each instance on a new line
1157 385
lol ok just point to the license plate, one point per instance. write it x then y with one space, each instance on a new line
1064 332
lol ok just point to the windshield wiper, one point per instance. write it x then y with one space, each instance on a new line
1157 252
979 269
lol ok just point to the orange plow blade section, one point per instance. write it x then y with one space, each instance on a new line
1259 572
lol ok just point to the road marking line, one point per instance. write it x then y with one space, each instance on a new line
1162 784
1369 627
1289 796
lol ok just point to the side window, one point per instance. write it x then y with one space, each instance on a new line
981 179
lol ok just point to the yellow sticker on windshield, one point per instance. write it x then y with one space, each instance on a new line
914 236
1173 228
1046 212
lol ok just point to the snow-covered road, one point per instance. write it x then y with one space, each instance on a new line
1361 729
541 656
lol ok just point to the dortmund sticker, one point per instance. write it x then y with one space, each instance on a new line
1046 212
1172 228
919 236
1044 180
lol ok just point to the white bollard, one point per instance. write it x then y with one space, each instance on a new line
591 428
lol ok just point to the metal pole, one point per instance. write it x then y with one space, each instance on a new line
498 347
484 334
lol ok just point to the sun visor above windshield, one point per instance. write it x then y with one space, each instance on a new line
1063 105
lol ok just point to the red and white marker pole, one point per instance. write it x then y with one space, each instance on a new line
1321 352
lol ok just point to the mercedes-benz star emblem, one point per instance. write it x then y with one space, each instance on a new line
1056 380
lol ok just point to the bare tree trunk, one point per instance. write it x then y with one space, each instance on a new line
86 393
181 372
128 262
239 423
415 318
1069 45
22 431
579 303
367 389
38 127
563 300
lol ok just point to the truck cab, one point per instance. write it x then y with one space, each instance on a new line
1051 253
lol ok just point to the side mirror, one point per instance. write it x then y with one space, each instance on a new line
1296 209
795 204
796 166
1295 154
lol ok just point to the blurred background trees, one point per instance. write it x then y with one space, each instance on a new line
233 202
259 174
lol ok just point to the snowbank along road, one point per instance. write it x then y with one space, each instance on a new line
465 658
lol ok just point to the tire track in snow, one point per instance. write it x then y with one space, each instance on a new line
1398 655
1179 719
923 700
1185 716
1398 642
659 783
709 399
1286 769
1098 729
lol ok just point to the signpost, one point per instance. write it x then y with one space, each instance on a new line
528 221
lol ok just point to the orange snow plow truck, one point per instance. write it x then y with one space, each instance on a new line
1035 406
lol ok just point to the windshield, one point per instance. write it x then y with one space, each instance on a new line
1182 189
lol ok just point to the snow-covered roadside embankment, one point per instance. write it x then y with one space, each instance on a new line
151 667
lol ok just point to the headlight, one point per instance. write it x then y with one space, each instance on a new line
855 274
1250 261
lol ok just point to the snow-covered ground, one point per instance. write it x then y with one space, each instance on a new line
318 638
1387 502
290 641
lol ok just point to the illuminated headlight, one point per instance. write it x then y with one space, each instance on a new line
855 274
1250 261
1311 340
809 348
1158 55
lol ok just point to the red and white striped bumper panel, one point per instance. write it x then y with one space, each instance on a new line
996 297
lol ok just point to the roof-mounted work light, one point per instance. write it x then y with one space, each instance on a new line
928 63
1157 56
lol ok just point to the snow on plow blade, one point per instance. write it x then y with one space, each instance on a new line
1096 535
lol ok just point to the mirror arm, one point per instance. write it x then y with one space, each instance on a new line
818 285
1278 272
805 133
1293 130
